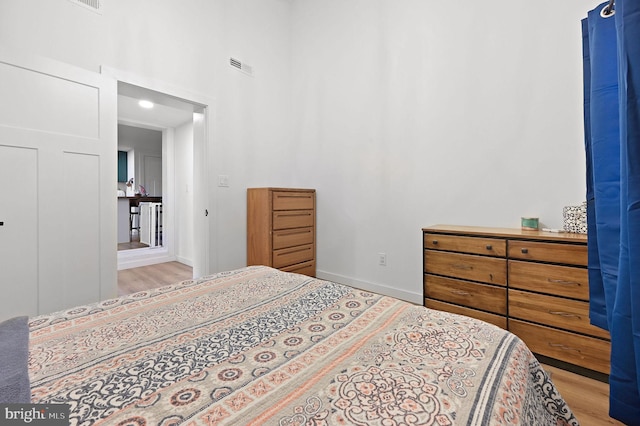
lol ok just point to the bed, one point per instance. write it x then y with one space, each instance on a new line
257 346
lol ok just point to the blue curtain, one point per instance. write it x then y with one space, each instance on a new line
611 51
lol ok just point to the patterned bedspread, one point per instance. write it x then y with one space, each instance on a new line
257 346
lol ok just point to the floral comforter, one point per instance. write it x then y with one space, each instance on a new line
257 346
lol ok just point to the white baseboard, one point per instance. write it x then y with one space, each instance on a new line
372 287
184 260
128 259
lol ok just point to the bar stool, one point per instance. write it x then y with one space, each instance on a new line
134 212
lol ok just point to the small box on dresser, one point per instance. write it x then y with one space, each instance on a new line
281 229
546 287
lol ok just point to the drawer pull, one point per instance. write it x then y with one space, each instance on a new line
524 250
434 242
296 232
563 347
460 293
462 266
563 282
565 314
294 251
489 247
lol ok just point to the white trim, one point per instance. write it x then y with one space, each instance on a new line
135 258
373 287
157 85
48 66
184 261
205 234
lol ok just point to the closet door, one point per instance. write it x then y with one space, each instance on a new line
18 231
58 153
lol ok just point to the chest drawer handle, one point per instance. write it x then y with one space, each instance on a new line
460 293
434 242
295 196
563 282
296 232
563 347
294 214
489 247
294 250
565 314
461 266
524 250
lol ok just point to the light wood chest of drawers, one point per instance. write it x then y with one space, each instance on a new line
533 283
281 229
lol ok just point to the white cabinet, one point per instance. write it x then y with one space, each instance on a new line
151 224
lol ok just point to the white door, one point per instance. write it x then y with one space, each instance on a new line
18 231
204 209
58 185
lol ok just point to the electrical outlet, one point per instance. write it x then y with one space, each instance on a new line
382 259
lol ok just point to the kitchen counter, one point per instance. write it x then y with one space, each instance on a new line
139 199
124 210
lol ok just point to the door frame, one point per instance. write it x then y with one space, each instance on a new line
204 259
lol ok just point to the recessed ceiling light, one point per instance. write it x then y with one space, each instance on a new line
145 104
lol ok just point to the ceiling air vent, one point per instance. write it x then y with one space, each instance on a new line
245 68
92 5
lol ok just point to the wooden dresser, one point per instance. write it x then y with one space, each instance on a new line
533 283
281 229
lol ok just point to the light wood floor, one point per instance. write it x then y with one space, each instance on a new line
587 398
148 277
134 242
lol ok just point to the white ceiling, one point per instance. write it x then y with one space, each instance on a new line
160 116
168 111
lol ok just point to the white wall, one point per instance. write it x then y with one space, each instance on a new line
411 113
140 143
139 139
405 113
183 143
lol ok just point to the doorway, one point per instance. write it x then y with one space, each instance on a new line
162 176
140 180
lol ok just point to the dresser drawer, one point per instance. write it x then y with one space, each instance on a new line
473 295
306 268
293 219
471 245
558 280
572 315
461 310
289 200
292 237
587 352
470 267
292 255
571 254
